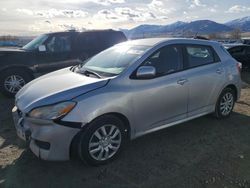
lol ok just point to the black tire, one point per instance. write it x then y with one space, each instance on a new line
87 135
219 113
19 73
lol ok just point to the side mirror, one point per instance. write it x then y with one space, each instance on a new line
42 48
146 72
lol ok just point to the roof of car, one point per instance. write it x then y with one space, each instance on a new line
87 31
155 41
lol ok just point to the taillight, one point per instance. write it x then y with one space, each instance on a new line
239 66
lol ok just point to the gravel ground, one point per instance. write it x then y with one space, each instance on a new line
204 152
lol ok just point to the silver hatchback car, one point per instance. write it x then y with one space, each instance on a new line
124 92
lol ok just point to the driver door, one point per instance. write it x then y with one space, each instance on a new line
164 98
57 53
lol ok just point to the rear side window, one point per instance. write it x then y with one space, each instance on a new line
118 37
198 55
108 39
99 40
88 41
248 50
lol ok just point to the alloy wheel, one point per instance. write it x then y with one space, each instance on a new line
105 142
14 83
226 104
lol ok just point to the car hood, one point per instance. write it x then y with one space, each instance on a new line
55 87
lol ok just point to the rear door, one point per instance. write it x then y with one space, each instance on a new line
88 45
205 74
111 38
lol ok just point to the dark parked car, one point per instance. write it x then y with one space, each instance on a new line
49 52
241 53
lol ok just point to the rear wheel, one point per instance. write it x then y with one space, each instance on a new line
225 103
12 80
103 141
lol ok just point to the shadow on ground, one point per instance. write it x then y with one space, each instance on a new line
6 124
205 152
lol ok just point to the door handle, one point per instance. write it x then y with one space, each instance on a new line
182 81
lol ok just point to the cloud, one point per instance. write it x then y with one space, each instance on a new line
190 18
195 3
212 10
137 14
4 9
126 14
25 11
54 13
238 9
108 2
157 6
109 15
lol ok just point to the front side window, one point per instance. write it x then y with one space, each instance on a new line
199 55
35 43
59 44
166 60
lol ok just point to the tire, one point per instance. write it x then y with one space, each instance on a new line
98 149
225 103
9 77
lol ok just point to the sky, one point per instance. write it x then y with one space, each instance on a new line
32 17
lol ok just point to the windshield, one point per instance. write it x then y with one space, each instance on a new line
32 45
114 60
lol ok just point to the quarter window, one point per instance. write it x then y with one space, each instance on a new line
199 55
166 60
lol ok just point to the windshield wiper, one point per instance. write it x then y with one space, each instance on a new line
88 72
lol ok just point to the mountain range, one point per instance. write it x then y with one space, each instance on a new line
183 28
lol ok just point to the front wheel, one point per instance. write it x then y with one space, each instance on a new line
103 141
225 103
12 80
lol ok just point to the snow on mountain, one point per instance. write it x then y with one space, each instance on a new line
242 23
178 28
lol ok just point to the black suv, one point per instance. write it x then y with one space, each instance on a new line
241 52
50 52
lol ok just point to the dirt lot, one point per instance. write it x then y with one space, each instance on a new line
204 152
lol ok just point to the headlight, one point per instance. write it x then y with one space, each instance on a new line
53 111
